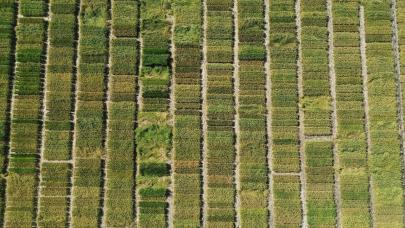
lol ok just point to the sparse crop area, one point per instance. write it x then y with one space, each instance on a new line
202 113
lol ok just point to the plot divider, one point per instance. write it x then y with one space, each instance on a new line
397 61
107 100
42 113
366 107
137 99
204 109
172 109
267 67
301 116
236 85
43 118
332 81
75 102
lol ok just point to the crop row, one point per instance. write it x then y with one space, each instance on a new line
351 141
284 111
316 93
54 184
89 125
154 133
121 105
320 180
284 89
252 115
187 124
220 113
400 14
7 23
220 152
384 160
287 201
26 118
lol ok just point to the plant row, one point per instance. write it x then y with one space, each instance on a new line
187 120
26 118
287 201
119 196
284 89
252 115
7 23
154 133
58 104
351 144
316 100
400 14
89 125
220 154
320 185
284 112
385 160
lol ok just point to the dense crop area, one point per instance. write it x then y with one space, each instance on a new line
202 113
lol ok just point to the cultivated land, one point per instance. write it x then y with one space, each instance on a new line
202 113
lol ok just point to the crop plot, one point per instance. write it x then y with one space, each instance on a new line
202 113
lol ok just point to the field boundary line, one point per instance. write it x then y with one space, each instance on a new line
107 101
76 103
204 118
172 109
136 99
139 107
267 67
236 84
73 106
397 63
301 116
43 120
364 74
332 81
42 114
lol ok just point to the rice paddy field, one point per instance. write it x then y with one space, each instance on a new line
202 113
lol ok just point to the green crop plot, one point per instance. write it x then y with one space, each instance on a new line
202 113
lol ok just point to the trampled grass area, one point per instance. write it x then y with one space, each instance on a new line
202 113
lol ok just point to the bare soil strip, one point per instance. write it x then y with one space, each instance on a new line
41 138
76 103
204 119
332 81
43 112
301 116
170 198
107 121
395 45
236 84
366 106
270 202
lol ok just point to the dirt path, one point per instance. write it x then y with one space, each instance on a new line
172 108
301 116
236 85
270 199
43 113
76 89
332 81
395 44
107 121
364 74
204 118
